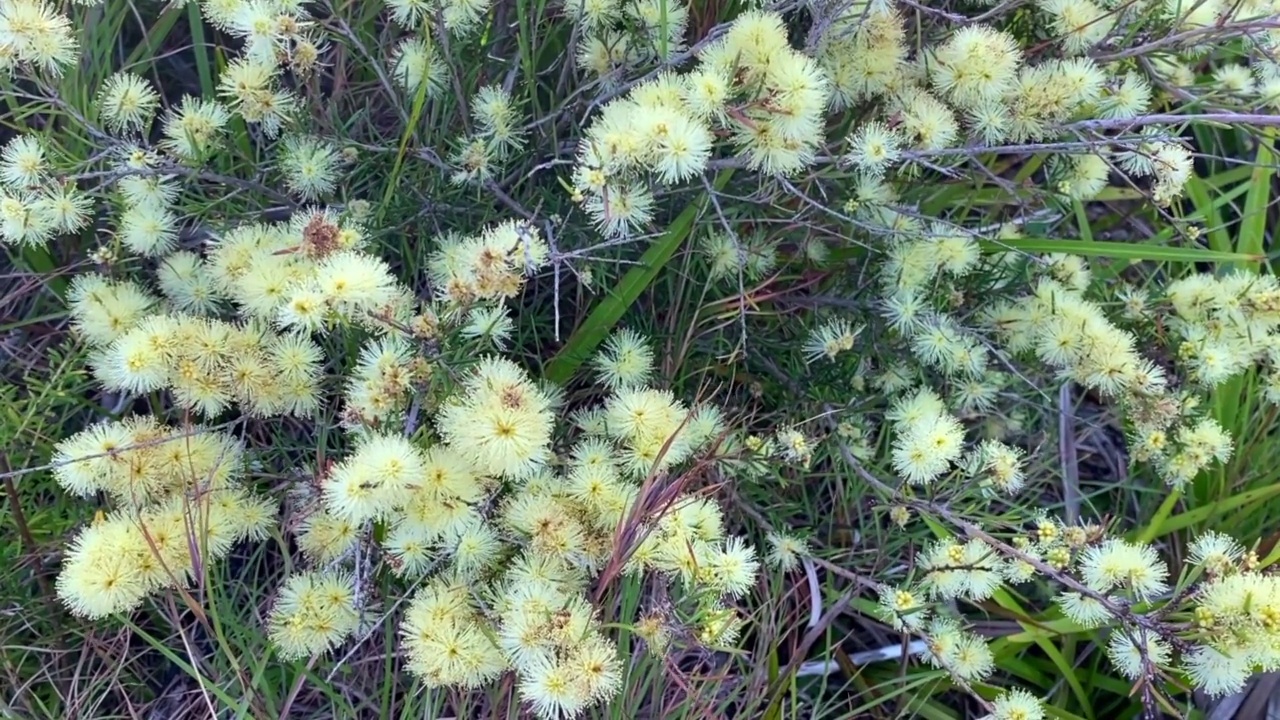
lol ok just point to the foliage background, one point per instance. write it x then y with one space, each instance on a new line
811 650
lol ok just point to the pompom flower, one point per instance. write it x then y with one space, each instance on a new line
313 613
309 166
625 361
127 102
23 163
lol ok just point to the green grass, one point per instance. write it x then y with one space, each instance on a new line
1237 404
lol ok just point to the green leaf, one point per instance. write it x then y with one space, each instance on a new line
1118 250
191 670
593 331
145 52
1253 221
1233 401
204 68
415 116
1201 514
1006 600
1152 529
1199 192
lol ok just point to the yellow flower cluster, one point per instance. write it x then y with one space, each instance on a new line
1221 327
618 36
975 81
738 259
194 130
937 250
1232 624
445 637
277 34
928 441
1016 704
34 35
751 85
313 612
496 137
417 62
289 279
506 534
864 53
308 274
962 653
971 570
505 590
102 309
1227 323
459 16
181 502
386 371
138 461
1213 12
209 365
830 339
489 266
1235 618
309 166
1074 334
1135 570
500 422
33 206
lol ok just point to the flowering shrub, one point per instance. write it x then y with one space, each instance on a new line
888 168
479 497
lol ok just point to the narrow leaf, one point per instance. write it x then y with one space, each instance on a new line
593 331
1118 250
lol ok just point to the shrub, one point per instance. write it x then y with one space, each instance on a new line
261 289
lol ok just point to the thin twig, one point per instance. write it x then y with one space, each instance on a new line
1235 29
1068 454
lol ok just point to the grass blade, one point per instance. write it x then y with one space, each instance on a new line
1207 512
600 322
1253 221
1202 197
1118 250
